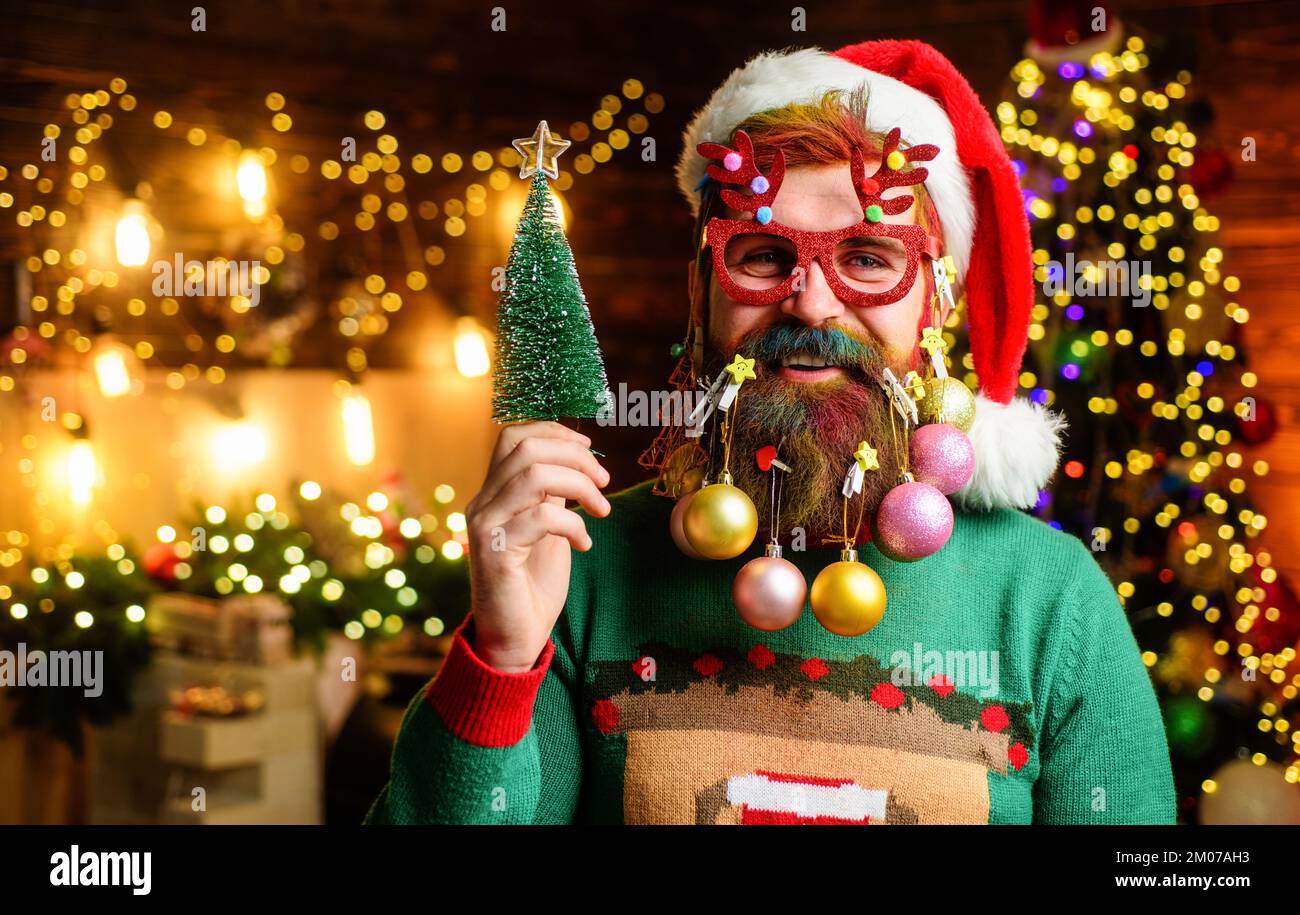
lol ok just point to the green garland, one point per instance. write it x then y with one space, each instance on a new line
339 566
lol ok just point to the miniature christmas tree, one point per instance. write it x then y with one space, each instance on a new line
548 363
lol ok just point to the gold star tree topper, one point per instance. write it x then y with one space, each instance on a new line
539 152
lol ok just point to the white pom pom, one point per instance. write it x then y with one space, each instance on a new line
1017 446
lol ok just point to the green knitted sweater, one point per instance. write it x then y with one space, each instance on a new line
1002 686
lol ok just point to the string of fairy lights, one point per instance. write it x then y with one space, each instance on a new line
135 231
1188 292
75 283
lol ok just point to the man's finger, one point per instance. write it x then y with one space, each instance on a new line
511 436
543 520
534 485
542 450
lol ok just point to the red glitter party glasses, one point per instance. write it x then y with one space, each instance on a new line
865 264
758 261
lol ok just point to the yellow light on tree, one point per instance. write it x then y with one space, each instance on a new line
111 371
358 429
132 235
83 471
471 349
250 176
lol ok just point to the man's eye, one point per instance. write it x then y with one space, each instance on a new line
865 261
769 259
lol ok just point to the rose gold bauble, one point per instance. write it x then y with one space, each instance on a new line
675 526
848 597
769 591
720 521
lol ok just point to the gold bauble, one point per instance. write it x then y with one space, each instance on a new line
952 399
691 481
848 597
720 521
684 469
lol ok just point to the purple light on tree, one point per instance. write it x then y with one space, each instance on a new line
1082 129
1069 371
1074 312
1029 197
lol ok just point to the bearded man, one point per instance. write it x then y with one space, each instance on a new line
603 676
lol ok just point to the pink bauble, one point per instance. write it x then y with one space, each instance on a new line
769 593
675 526
913 521
942 456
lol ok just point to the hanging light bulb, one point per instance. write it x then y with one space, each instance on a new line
358 428
83 471
132 235
471 349
250 176
112 372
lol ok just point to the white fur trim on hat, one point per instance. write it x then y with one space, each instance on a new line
777 78
1017 445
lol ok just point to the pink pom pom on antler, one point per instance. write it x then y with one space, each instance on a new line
764 188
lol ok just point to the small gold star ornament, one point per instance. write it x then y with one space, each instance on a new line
539 152
932 341
741 370
866 457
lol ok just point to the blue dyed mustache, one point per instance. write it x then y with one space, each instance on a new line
833 346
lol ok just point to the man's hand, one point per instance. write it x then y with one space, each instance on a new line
520 534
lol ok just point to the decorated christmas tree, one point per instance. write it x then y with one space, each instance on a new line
548 363
1136 339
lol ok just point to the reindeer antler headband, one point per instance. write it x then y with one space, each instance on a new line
759 261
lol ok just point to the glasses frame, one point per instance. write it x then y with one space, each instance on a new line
818 246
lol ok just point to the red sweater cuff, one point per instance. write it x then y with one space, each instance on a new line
480 704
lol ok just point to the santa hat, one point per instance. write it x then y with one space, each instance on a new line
977 196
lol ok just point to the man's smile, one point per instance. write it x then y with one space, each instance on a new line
807 367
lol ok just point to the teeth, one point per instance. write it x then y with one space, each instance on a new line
804 360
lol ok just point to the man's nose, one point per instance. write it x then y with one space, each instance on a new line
813 301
